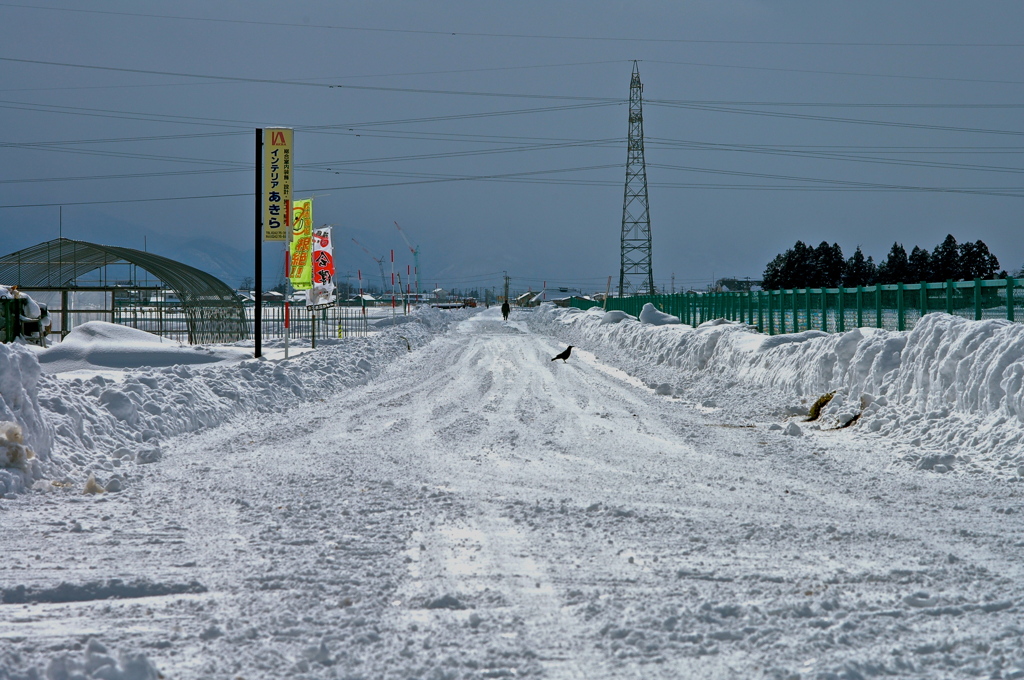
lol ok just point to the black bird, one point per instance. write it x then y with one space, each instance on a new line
563 355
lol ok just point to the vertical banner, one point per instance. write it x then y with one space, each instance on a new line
301 246
277 183
324 292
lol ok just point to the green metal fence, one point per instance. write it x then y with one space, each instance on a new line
894 307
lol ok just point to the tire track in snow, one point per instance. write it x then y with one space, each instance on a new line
508 423
667 541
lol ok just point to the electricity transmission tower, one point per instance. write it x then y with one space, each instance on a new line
635 276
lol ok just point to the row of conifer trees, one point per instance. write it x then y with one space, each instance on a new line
804 266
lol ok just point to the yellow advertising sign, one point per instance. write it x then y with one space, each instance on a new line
300 262
277 183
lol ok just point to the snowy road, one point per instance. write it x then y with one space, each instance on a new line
479 511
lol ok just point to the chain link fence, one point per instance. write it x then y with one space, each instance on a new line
895 307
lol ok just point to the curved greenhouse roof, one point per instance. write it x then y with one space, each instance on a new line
212 310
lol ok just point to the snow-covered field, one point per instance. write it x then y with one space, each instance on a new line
441 500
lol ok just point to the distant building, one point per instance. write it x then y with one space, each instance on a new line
529 299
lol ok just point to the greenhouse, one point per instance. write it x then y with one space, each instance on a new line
80 281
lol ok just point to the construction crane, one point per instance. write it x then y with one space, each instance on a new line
380 264
415 256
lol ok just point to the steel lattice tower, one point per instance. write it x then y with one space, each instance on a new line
635 275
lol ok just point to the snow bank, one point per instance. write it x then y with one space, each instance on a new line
951 384
96 662
615 316
102 344
25 437
652 315
104 426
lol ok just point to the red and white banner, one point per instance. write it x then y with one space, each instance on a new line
324 291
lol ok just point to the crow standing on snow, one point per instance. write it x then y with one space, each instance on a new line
563 355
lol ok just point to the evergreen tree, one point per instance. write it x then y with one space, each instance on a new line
945 261
976 262
772 277
919 267
799 267
792 269
895 268
829 266
860 271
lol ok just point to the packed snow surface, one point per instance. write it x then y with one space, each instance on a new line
440 500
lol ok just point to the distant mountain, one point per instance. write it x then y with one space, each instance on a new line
228 264
448 262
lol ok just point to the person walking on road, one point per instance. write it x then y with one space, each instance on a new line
505 309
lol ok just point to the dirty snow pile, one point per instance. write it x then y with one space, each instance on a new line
951 389
24 436
66 416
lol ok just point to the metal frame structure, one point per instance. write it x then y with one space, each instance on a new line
211 309
635 275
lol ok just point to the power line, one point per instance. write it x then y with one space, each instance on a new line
349 77
299 83
529 36
835 73
329 166
312 167
840 105
872 148
108 113
739 148
605 143
1000 191
820 185
138 175
248 125
431 180
828 119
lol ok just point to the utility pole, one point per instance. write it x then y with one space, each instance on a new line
258 260
635 274
506 285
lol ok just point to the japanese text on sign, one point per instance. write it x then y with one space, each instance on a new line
277 183
301 247
324 292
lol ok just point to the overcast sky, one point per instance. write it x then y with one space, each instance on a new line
495 133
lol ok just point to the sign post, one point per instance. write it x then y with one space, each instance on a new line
274 207
258 212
